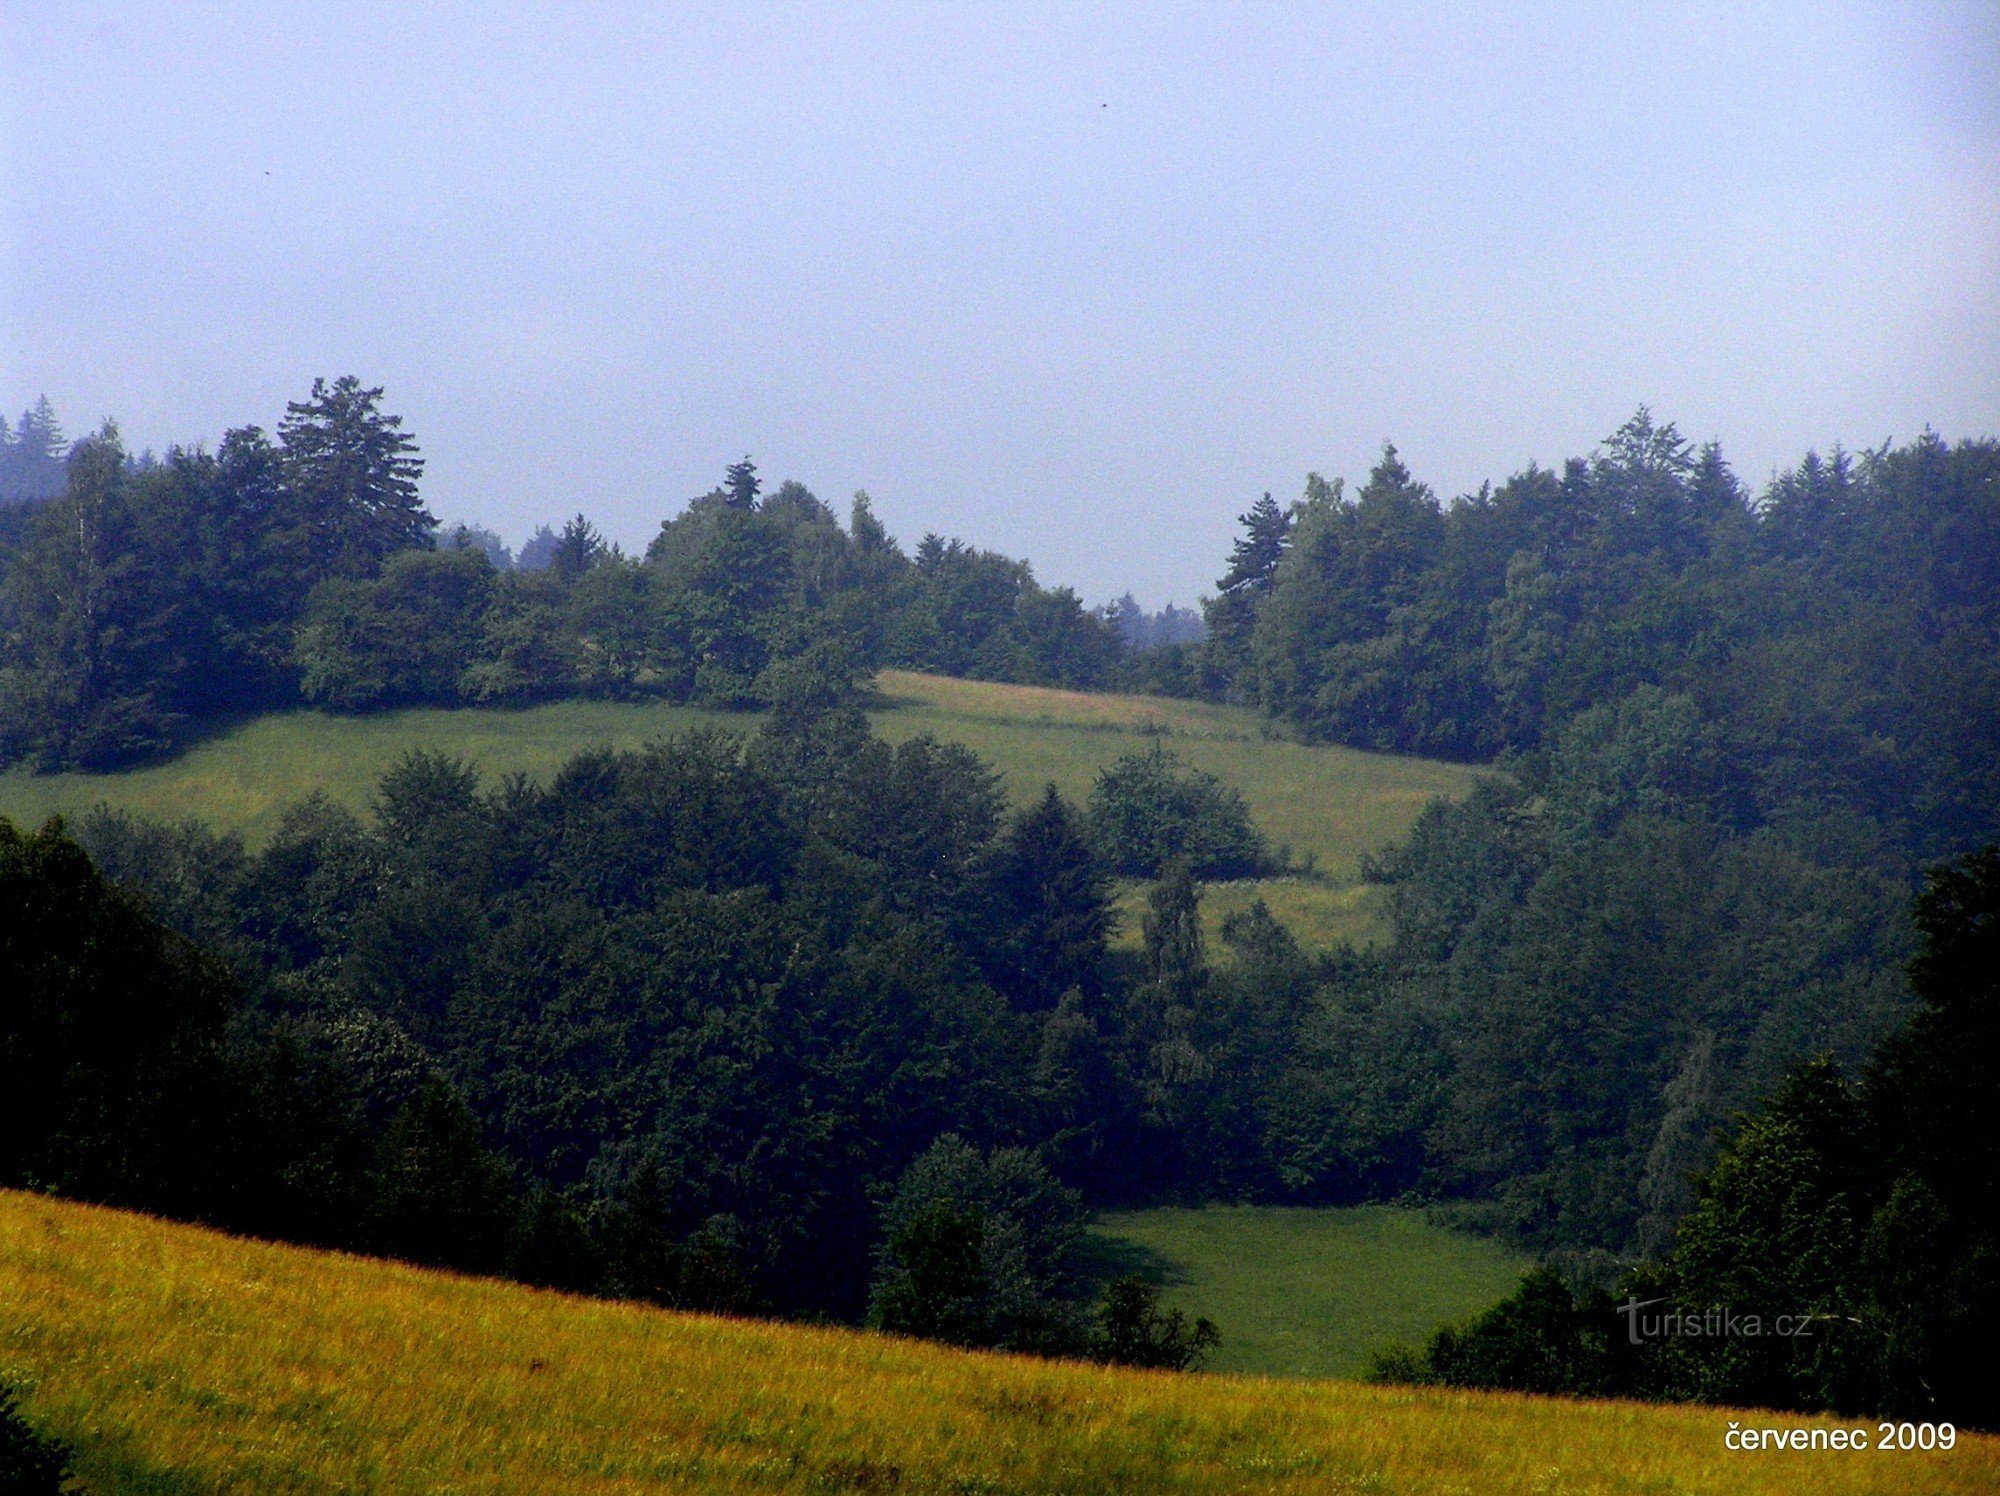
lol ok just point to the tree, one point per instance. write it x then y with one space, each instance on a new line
980 1251
441 1196
1934 1102
577 549
1240 593
741 485
113 1081
538 552
30 1463
352 472
409 634
86 664
1149 809
1052 906
31 457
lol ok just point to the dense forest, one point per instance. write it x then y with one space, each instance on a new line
150 599
808 1024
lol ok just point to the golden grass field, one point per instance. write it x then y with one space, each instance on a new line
1333 804
177 1359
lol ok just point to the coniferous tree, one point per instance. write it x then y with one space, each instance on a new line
741 485
1053 906
577 549
1253 563
31 456
352 473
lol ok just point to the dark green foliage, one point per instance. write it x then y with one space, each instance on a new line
1543 1338
1149 809
407 635
742 485
439 1196
148 596
85 639
979 1250
1132 1330
1852 1226
1253 566
351 473
114 1083
1051 906
30 1463
149 599
1852 608
935 1284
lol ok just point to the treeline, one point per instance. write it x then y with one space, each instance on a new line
1851 607
31 456
1734 732
1841 1253
150 598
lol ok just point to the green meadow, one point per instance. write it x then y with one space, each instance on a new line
1309 1293
1329 804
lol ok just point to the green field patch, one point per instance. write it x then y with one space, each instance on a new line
1319 912
1327 805
1301 1292
242 778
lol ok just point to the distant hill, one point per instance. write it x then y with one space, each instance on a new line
173 1358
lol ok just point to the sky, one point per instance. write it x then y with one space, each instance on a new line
1074 283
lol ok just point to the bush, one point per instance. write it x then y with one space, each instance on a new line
1149 809
981 1251
1132 1330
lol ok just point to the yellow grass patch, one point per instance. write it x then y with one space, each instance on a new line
181 1359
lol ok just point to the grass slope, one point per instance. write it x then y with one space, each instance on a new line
1332 803
1309 1293
180 1360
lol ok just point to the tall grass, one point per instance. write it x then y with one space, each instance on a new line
176 1359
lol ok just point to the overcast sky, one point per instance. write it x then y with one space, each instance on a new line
1076 284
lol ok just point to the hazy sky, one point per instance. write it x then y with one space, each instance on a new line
1074 283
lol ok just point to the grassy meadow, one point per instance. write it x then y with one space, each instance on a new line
1309 1293
1332 804
179 1360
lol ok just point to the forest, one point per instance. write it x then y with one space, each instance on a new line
155 596
1686 996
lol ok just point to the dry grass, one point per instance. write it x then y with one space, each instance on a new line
178 1359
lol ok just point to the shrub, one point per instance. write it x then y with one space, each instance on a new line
1149 809
1133 1330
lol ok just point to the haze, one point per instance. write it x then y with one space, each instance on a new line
1076 286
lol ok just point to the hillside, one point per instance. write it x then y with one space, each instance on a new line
178 1359
1307 1292
1330 803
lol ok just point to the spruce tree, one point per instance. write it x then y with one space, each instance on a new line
352 474
740 483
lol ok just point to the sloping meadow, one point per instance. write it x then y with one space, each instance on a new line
174 1358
